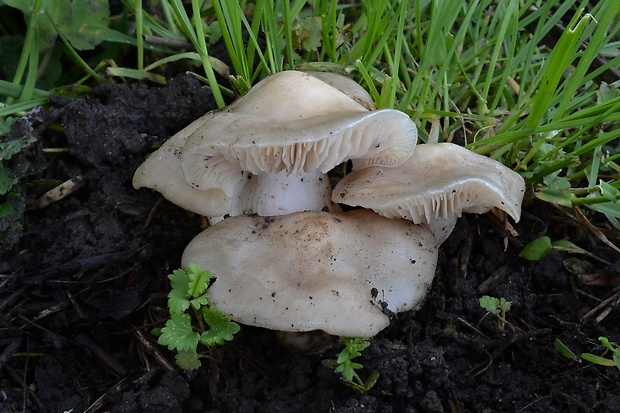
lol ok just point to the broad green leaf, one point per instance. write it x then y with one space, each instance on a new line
607 208
7 180
7 124
615 361
187 360
605 342
178 333
606 92
491 304
221 328
308 34
537 249
177 301
616 358
104 33
179 280
73 17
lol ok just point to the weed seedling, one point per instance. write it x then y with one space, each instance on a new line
592 358
498 307
602 361
192 320
345 365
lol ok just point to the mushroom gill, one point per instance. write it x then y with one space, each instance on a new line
435 186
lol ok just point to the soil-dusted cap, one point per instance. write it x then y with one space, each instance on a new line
316 270
437 184
294 122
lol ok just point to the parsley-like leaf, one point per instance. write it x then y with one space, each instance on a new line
182 332
221 328
345 365
198 280
187 359
178 299
178 333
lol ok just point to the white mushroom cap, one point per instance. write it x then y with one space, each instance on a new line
288 130
437 184
294 123
316 270
347 86
162 172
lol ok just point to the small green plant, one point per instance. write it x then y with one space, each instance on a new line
192 320
498 307
345 365
592 358
8 149
539 248
602 361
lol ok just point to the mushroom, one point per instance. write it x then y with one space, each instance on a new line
306 271
287 132
434 187
162 172
279 141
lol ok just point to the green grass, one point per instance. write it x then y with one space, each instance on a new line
519 81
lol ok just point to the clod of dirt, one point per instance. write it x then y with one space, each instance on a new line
116 122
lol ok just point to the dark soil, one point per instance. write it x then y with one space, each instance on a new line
83 283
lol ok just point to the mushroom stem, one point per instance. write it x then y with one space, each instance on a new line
283 193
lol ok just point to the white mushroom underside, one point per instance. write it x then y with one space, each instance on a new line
434 205
383 137
438 181
316 271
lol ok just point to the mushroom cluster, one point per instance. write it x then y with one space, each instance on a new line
286 257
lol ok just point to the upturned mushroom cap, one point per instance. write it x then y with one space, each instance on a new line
316 270
434 187
294 122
